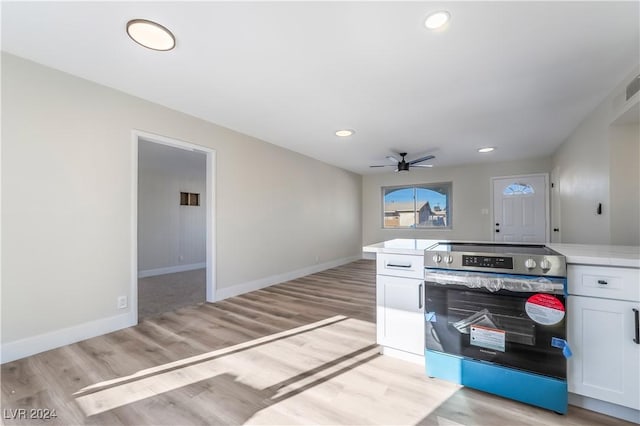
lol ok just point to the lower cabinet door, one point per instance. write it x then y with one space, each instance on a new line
400 319
606 361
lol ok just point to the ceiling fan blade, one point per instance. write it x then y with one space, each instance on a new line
420 160
384 165
392 159
422 165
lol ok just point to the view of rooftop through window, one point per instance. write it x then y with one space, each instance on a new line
417 206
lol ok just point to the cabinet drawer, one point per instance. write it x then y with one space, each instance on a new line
604 282
400 265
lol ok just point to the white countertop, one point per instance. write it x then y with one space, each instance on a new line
596 254
401 246
584 254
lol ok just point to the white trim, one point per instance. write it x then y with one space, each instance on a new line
547 202
171 269
247 287
133 254
211 226
210 206
405 356
369 255
603 407
66 336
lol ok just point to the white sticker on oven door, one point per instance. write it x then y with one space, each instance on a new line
490 338
544 309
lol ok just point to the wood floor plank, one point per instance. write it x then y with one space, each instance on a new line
301 352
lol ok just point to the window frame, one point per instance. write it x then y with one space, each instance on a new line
415 186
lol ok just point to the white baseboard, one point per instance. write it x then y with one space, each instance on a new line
238 289
17 349
613 410
43 342
368 255
405 356
171 269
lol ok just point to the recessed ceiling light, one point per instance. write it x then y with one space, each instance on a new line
437 20
487 149
345 132
150 34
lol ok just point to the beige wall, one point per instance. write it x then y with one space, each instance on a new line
624 184
471 194
582 165
66 200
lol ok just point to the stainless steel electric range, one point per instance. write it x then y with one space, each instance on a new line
495 320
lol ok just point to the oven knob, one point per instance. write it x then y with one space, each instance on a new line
530 263
448 259
437 258
545 264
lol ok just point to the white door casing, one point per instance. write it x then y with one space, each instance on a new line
521 208
556 228
210 206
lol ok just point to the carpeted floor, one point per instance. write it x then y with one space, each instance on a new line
164 293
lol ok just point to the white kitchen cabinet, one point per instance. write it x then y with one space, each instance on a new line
400 304
601 331
400 318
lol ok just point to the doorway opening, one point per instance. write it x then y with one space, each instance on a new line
173 244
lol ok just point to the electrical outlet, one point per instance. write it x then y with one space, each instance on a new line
180 258
317 259
122 302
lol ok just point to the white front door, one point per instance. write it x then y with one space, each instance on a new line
520 208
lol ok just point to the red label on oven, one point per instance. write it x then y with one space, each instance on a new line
544 309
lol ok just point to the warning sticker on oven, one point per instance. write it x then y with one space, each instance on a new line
544 309
490 338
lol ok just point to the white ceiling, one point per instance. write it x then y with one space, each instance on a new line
519 76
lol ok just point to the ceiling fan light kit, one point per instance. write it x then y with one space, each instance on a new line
403 166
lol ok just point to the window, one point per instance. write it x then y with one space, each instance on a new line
417 206
518 189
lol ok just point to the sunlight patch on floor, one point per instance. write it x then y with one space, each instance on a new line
334 401
303 354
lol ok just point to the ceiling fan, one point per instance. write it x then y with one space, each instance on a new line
403 165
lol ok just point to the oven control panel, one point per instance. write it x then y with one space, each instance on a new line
501 259
498 262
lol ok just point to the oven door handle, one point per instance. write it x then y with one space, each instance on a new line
420 303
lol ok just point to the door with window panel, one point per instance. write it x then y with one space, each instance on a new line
520 209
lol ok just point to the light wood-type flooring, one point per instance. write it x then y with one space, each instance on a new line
302 352
168 292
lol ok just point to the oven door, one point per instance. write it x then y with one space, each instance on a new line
517 321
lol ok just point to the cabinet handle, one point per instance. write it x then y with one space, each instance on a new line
396 265
636 314
603 282
420 299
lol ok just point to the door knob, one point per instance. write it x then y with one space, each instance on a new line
497 230
556 229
